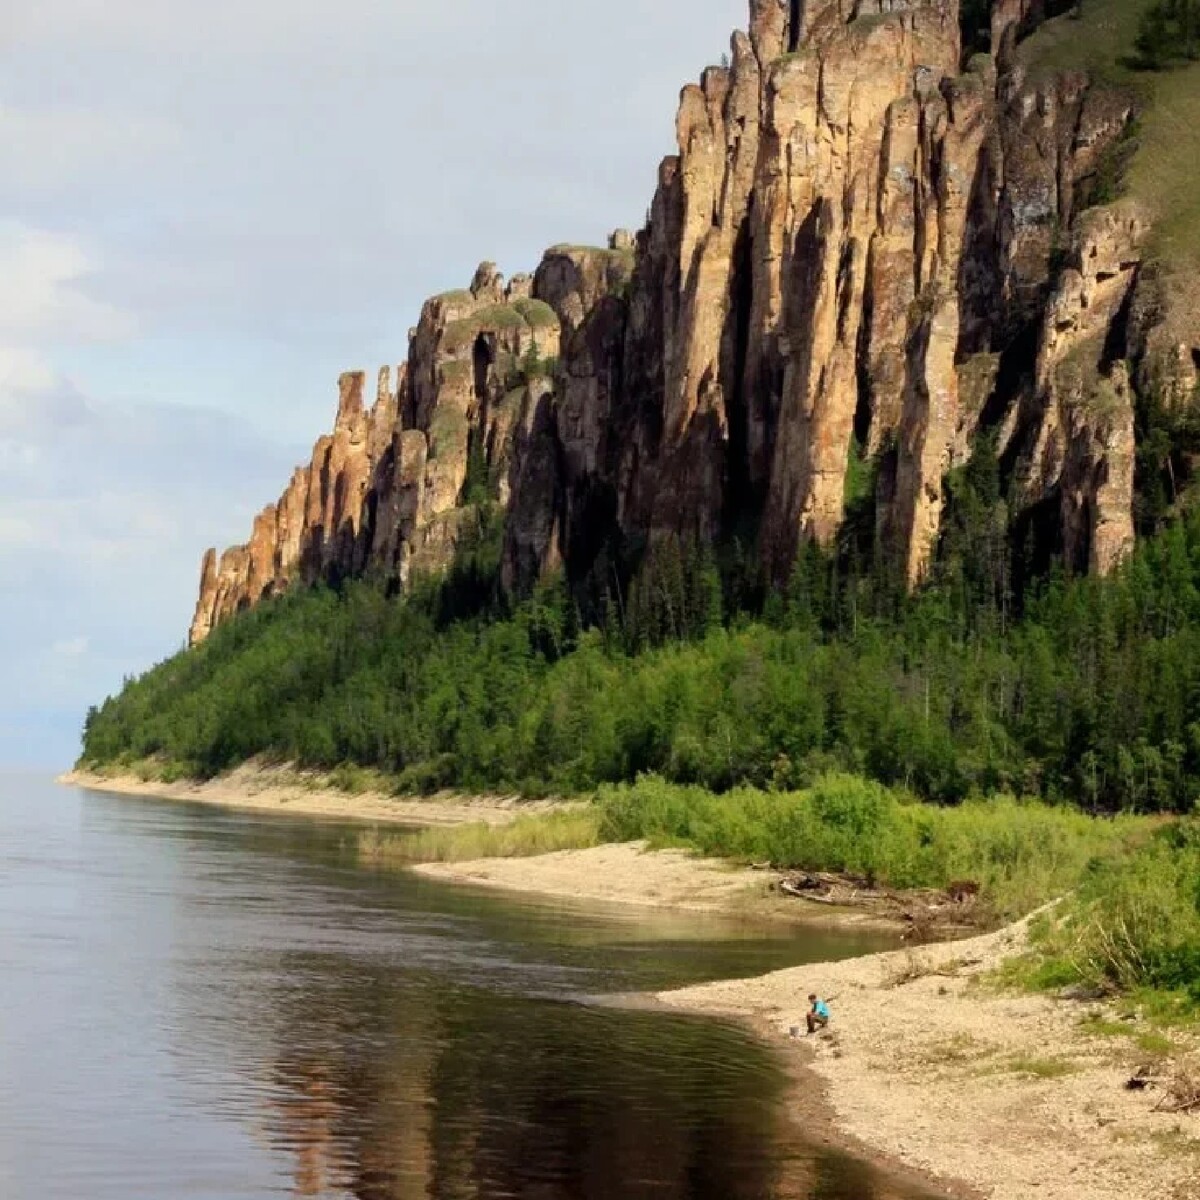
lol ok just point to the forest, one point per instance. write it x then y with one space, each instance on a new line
994 677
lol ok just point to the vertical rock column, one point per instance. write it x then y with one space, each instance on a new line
837 181
954 126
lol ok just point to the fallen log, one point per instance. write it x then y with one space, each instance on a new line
802 894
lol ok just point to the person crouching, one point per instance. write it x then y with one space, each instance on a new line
818 1014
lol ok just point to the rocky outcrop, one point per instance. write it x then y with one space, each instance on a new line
1082 428
387 491
317 528
862 247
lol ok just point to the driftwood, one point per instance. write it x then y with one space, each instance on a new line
1182 1094
792 890
922 911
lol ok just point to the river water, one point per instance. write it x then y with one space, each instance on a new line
212 1005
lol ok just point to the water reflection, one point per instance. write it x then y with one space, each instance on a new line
456 1092
216 1006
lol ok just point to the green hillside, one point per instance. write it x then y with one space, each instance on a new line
1092 694
1102 38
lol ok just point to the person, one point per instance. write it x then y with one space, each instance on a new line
818 1014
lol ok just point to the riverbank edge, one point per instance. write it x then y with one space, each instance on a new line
287 791
634 875
631 875
930 1067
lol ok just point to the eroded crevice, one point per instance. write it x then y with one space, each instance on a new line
864 406
795 25
1014 374
1116 341
736 347
483 357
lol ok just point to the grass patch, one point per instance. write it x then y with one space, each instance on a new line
959 1050
1040 1068
356 780
460 335
542 833
580 248
1101 42
449 430
456 372
1097 41
537 313
1149 1041
1176 1143
1133 922
455 296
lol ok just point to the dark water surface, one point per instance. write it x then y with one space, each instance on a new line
216 1006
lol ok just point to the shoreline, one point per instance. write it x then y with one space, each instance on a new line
984 1093
287 792
631 875
927 1071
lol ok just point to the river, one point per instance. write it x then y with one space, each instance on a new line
210 1005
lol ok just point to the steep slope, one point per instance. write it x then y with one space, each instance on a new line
860 249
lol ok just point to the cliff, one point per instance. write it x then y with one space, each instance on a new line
863 247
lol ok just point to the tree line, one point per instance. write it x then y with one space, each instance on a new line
688 665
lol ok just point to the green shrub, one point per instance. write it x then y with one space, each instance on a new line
1168 32
1134 921
1022 854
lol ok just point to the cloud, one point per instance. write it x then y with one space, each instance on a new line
74 647
322 169
44 296
46 149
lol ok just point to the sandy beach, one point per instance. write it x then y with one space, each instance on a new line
288 792
1013 1095
621 874
632 874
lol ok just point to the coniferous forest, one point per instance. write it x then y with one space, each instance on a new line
993 677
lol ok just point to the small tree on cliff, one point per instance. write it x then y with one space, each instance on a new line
1168 33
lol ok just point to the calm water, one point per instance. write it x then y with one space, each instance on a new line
223 1006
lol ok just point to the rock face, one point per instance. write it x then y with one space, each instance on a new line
860 249
389 490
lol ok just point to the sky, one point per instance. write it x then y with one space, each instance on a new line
208 210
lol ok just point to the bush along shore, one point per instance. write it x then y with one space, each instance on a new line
1126 889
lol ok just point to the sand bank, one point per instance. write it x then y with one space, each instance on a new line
289 792
1011 1095
631 874
622 874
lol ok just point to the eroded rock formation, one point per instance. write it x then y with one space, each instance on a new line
862 247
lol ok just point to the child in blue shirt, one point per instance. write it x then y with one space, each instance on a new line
818 1014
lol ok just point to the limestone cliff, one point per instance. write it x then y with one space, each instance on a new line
863 246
